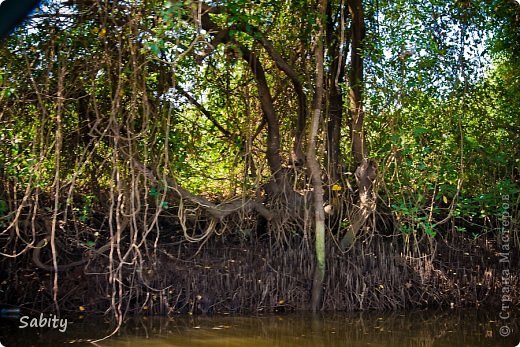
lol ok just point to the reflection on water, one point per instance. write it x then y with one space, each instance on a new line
417 329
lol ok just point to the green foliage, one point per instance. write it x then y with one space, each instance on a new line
86 210
441 96
442 117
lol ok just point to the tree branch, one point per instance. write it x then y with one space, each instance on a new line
208 114
273 129
216 211
222 36
298 156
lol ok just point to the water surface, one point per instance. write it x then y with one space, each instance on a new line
446 328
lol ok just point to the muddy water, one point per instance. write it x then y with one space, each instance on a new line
418 328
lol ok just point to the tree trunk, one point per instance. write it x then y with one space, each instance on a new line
273 128
356 81
314 166
366 169
336 42
335 112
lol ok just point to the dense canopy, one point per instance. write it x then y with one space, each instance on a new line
315 155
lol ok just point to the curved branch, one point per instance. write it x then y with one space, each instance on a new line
216 211
222 210
220 36
298 156
36 256
273 129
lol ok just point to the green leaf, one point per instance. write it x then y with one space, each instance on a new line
154 48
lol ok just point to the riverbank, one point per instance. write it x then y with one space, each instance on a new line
230 276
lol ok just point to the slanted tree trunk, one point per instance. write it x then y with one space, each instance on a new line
366 169
222 35
314 166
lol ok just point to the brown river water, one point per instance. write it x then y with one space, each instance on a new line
439 328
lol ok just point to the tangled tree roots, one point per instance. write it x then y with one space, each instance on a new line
246 271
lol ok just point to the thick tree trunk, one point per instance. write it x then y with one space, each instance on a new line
297 155
314 166
356 81
336 42
366 174
366 169
273 129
